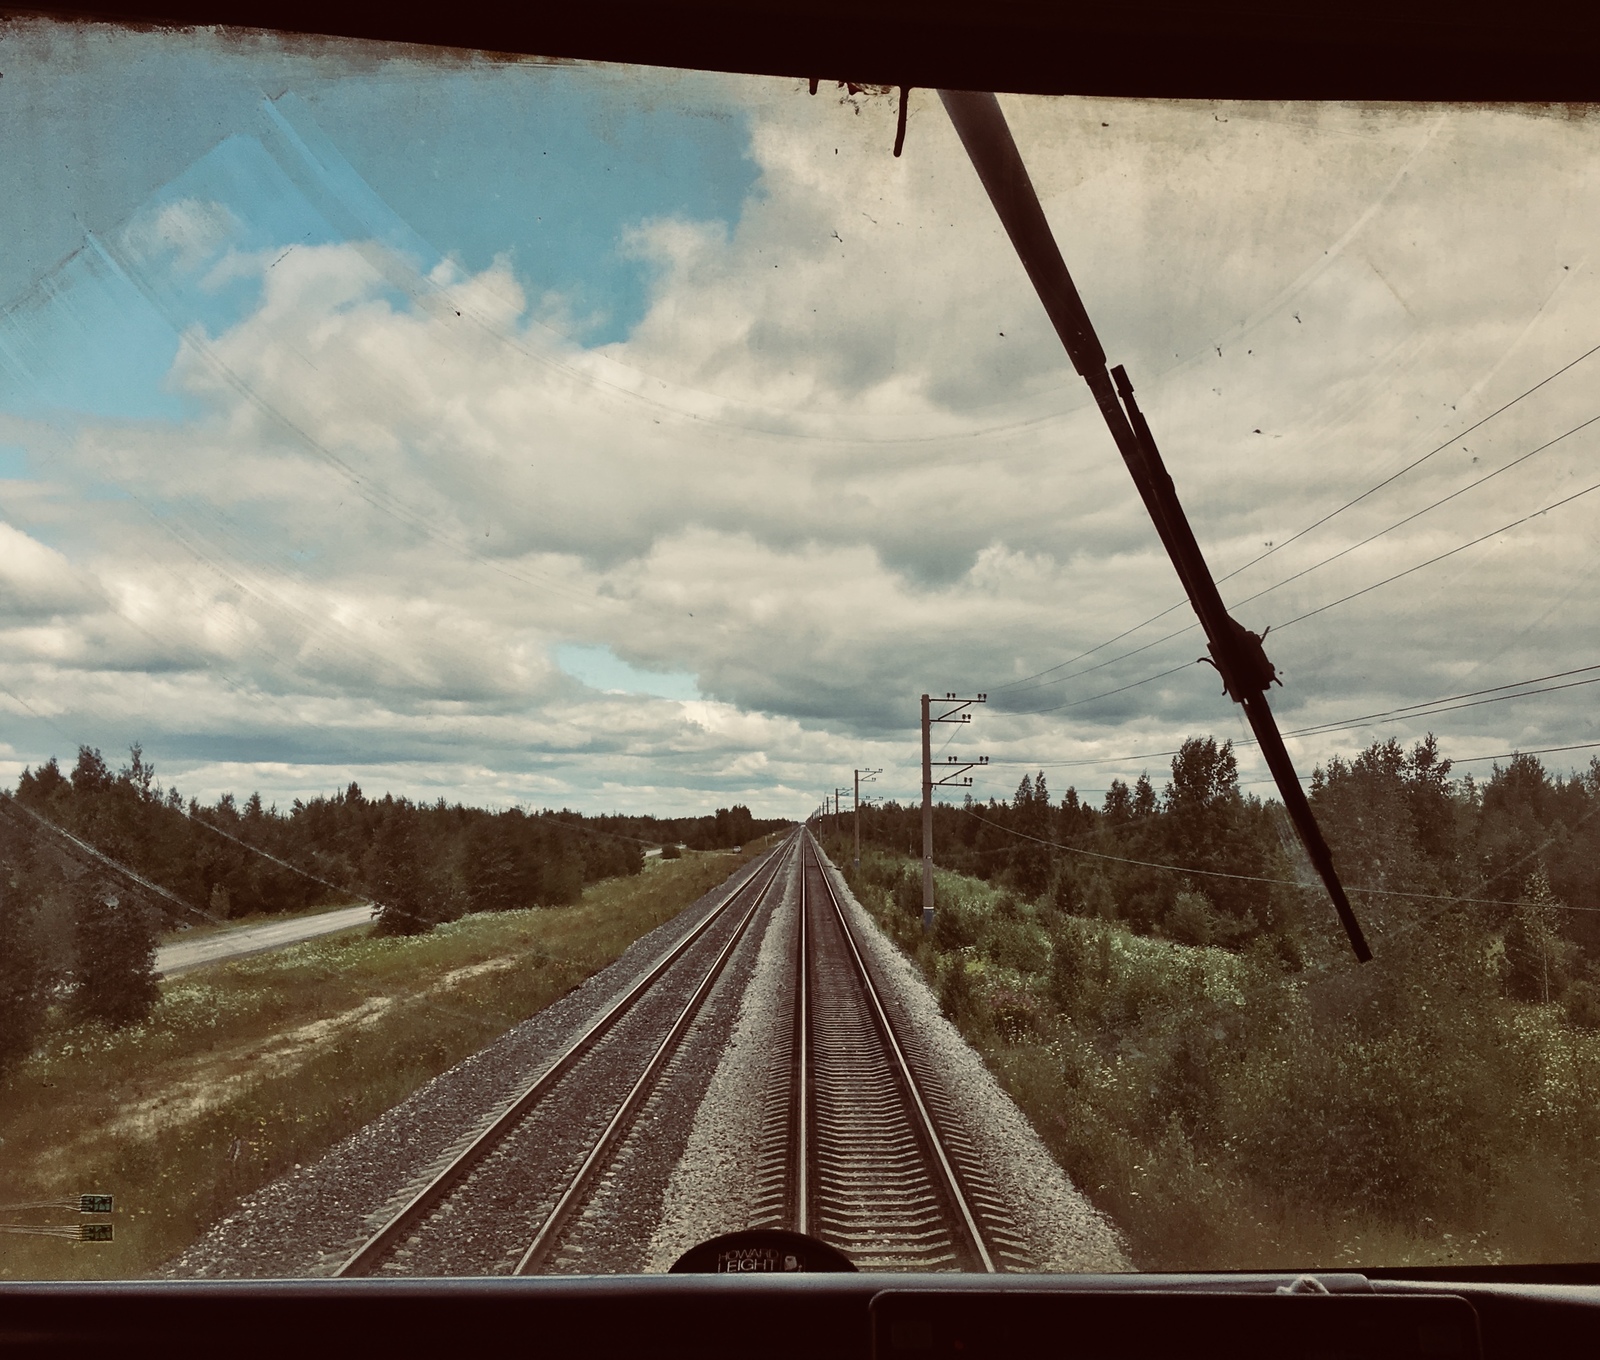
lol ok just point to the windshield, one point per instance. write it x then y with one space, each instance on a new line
583 674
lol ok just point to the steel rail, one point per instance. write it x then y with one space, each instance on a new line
802 1212
428 1198
952 1184
544 1240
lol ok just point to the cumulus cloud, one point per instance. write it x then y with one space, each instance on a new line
842 460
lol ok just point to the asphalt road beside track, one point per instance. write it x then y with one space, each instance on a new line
183 955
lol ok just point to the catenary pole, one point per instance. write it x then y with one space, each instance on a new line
856 810
927 819
955 773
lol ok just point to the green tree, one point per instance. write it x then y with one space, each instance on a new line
115 939
24 975
410 901
1539 960
1029 869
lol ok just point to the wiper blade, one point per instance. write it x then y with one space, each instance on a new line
1236 652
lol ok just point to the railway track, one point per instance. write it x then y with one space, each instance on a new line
862 1146
503 1202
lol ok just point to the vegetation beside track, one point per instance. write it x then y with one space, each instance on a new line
1240 1109
244 1069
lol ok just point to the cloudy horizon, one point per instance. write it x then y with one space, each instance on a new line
630 440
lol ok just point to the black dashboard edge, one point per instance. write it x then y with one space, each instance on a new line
705 1316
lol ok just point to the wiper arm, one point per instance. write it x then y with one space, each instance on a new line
1236 652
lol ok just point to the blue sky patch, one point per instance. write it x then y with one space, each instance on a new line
600 668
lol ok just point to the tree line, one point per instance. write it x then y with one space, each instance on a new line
75 929
1522 842
1203 1054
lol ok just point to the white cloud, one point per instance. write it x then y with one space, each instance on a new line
842 460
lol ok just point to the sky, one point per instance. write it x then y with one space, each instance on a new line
543 434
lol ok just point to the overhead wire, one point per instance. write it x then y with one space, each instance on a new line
1516 523
1423 709
1259 878
1417 514
1472 543
1316 524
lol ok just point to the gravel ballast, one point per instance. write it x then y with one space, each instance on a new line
308 1222
688 1171
714 1188
1065 1232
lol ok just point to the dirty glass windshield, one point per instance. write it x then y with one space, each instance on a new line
582 675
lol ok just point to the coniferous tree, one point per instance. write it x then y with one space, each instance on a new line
24 975
115 939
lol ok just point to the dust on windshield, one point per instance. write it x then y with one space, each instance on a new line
483 541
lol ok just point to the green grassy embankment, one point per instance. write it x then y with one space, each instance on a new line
247 1068
1228 1112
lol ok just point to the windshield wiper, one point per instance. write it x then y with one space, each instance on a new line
1236 652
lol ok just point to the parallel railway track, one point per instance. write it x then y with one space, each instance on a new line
860 1145
502 1202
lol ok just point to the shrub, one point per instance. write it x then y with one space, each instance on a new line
908 890
1192 920
1013 1014
1581 1004
955 994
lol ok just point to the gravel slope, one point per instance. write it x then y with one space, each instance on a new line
1065 1231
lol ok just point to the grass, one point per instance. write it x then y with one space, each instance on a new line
1229 1113
247 1068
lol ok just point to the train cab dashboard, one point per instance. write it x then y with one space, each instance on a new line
1333 1316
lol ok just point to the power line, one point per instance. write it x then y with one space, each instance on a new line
1101 665
1443 708
1345 599
265 854
1416 463
1267 590
1106 694
1532 751
1468 694
1387 580
131 874
1317 524
1421 709
1398 524
1258 878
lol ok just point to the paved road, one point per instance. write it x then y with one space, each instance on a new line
182 955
